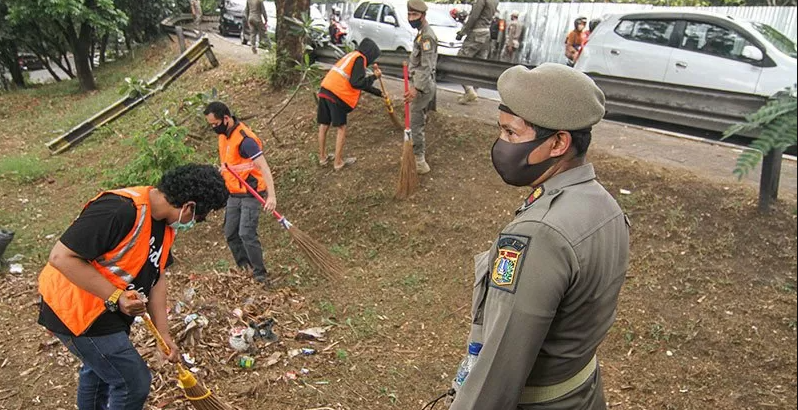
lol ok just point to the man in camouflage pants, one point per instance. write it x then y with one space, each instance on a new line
477 43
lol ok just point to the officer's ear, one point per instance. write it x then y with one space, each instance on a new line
562 142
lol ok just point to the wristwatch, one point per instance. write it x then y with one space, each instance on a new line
112 303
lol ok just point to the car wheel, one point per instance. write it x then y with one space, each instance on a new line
401 50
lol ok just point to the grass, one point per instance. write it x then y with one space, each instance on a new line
23 169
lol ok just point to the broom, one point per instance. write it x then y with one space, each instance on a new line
317 254
199 396
388 104
408 179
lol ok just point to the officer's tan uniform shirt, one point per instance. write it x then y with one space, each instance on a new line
481 15
545 295
423 59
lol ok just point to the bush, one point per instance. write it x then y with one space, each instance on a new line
153 159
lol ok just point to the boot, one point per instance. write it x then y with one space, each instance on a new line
421 165
469 96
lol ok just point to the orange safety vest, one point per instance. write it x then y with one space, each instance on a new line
244 167
337 79
77 308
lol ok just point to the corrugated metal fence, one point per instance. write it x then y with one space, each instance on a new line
546 24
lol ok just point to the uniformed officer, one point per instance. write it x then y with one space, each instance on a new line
423 60
477 43
546 292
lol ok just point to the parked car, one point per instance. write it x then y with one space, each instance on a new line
29 62
231 18
691 48
385 22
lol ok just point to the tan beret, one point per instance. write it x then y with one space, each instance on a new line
552 96
417 5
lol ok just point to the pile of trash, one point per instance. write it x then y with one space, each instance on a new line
240 337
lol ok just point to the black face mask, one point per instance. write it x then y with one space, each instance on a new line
221 128
416 24
510 161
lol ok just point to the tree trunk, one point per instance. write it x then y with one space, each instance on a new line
291 48
103 48
46 63
11 60
65 68
79 43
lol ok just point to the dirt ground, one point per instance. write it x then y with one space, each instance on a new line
707 317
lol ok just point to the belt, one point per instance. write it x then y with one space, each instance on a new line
542 394
480 30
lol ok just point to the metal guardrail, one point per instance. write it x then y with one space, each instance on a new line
159 83
672 103
171 23
691 106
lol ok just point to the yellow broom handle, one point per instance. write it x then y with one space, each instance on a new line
158 338
150 325
385 93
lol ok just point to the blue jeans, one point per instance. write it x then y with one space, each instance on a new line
113 375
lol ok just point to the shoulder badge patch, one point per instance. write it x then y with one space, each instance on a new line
508 263
427 45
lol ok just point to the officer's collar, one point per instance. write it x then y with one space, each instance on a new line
230 130
555 184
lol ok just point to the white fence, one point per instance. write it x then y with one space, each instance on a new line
547 24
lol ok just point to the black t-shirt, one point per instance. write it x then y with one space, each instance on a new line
100 228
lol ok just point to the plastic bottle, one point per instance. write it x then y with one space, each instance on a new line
468 363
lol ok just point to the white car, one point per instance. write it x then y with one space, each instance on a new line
694 49
385 22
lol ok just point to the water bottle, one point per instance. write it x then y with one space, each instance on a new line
468 363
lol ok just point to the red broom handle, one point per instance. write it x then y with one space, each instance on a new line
251 190
407 88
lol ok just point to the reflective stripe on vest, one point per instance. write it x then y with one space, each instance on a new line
111 263
229 154
344 63
77 308
337 79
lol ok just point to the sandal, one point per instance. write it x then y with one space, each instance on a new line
327 160
347 161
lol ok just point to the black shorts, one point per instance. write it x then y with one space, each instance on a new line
331 113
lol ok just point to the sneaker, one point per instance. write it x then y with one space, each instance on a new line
325 161
421 165
347 161
260 278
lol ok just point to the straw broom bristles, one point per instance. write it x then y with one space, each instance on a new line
408 178
316 253
199 397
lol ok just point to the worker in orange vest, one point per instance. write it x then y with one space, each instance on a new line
108 267
242 151
339 95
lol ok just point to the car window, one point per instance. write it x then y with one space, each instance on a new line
648 31
388 11
360 10
714 40
372 12
439 18
780 41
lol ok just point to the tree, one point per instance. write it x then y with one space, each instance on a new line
290 43
9 53
76 22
